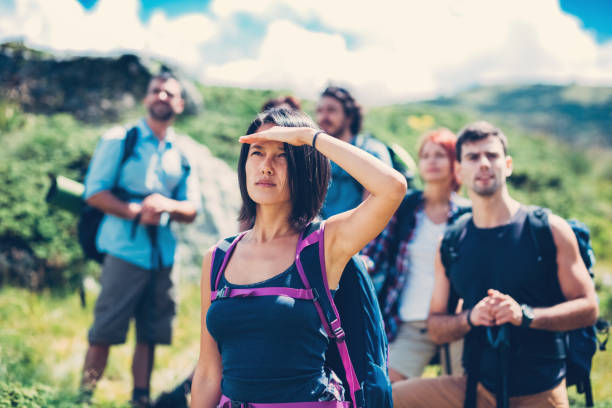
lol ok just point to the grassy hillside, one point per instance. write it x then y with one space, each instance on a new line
577 114
43 340
572 181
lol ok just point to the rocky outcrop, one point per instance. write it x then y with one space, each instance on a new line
93 89
220 202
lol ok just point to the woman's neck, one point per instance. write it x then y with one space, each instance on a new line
437 193
271 222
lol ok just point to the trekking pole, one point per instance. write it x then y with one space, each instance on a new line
82 294
501 342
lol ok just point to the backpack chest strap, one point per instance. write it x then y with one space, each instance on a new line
227 292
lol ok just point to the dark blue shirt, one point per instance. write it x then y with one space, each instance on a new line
272 347
344 192
505 258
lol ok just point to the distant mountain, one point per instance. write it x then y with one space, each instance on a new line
577 114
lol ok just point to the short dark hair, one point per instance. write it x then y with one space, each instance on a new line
307 169
351 108
288 101
478 131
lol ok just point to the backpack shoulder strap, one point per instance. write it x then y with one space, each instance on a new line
221 254
186 167
541 234
453 235
412 200
323 300
406 219
583 236
129 142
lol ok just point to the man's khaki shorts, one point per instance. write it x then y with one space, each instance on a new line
449 392
131 291
412 350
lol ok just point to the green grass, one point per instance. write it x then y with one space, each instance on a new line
43 339
43 342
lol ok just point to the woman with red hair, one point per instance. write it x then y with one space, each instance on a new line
401 258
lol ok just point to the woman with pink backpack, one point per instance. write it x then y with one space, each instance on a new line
263 344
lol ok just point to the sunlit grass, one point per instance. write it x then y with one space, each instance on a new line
43 339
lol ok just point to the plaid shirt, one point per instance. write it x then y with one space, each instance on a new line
389 271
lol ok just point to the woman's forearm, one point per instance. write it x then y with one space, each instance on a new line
378 178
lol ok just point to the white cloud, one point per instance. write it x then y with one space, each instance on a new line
397 50
112 26
410 49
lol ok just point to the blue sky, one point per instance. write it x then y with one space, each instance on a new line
386 51
595 15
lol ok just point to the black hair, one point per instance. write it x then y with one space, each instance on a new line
289 102
478 131
308 171
351 108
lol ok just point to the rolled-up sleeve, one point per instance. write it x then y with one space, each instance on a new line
104 164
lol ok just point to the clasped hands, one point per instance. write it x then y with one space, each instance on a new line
496 309
152 208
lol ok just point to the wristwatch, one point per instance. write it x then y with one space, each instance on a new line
527 315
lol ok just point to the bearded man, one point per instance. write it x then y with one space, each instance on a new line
339 115
142 182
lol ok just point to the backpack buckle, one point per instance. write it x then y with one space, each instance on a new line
222 293
339 334
238 404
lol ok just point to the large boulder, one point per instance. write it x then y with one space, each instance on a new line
93 89
220 201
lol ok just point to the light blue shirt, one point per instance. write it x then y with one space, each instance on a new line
153 167
344 192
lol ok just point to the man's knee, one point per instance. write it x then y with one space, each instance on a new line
440 392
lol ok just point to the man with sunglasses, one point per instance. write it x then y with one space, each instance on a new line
516 302
339 115
140 193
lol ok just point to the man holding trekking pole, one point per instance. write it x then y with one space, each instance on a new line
516 304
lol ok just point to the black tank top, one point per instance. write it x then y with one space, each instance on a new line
505 258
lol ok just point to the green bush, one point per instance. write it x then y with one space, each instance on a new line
38 246
37 242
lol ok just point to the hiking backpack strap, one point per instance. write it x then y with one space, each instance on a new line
129 144
225 248
225 402
449 253
324 303
406 219
221 254
541 234
186 167
453 236
131 137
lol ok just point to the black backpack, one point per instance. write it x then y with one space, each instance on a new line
91 217
582 343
